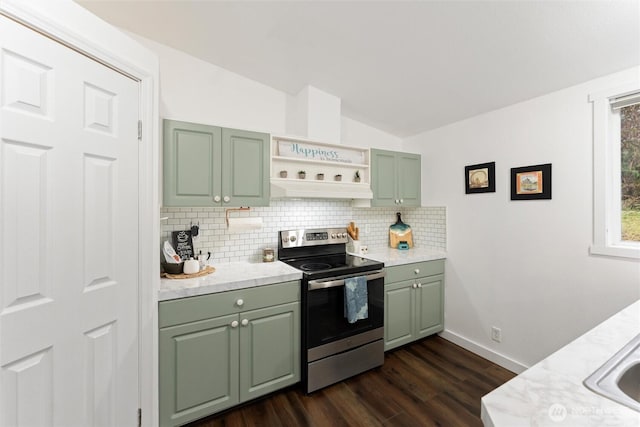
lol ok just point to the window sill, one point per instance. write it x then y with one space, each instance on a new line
631 251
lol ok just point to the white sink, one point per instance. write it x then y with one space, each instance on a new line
619 378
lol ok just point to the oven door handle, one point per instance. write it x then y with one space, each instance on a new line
339 281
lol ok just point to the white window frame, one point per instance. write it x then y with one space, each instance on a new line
606 175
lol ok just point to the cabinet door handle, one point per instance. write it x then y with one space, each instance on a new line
245 322
419 285
240 302
397 201
216 199
226 199
401 201
416 271
414 286
234 324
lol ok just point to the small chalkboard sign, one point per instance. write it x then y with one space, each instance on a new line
183 244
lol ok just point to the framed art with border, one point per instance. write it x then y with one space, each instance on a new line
531 182
480 178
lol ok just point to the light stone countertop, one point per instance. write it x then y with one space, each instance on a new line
551 393
227 277
239 275
392 257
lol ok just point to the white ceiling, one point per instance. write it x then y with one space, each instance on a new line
401 66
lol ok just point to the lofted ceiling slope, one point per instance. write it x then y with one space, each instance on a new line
404 67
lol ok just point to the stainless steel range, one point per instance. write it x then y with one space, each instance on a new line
334 349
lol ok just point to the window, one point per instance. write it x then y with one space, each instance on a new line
616 161
630 172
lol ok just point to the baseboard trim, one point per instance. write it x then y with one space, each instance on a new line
480 350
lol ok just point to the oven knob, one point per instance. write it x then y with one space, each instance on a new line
240 302
344 235
333 235
292 238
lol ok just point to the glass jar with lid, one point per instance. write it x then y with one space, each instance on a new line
268 255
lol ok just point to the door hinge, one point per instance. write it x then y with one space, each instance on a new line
139 417
139 130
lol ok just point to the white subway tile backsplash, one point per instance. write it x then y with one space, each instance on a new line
428 225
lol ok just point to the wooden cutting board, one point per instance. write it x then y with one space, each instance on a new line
400 232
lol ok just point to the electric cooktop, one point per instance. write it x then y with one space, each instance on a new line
333 265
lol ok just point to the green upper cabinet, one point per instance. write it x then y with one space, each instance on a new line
395 178
409 179
245 168
212 166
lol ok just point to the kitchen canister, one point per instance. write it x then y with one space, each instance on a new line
191 266
268 255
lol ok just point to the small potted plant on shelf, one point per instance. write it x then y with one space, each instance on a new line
302 174
283 174
320 176
356 177
338 177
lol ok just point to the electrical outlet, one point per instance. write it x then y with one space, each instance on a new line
496 334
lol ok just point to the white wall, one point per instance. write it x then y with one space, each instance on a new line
358 134
197 91
524 266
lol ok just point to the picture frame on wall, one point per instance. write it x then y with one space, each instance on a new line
480 178
531 182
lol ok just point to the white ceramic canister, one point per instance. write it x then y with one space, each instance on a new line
191 266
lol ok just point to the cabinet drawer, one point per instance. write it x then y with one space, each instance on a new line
184 310
410 271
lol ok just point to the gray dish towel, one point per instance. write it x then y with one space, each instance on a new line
355 299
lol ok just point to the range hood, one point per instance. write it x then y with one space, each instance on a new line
341 165
302 188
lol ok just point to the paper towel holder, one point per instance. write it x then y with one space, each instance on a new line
234 209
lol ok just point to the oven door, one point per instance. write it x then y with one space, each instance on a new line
325 312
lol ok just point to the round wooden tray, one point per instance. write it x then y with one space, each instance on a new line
207 270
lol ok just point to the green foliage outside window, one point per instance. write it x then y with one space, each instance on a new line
630 171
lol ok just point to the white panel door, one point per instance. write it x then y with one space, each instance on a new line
69 236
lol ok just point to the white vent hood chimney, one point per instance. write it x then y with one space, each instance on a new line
315 116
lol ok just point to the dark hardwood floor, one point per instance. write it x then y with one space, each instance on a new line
432 382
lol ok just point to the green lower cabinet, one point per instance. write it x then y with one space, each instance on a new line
207 365
398 314
429 301
198 369
269 350
413 307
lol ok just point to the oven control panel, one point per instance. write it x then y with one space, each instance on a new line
313 237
